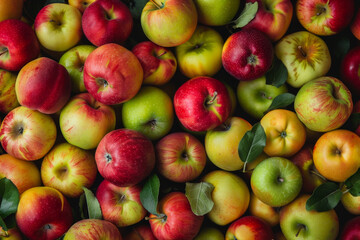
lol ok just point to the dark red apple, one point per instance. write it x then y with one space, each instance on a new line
140 232
350 73
351 230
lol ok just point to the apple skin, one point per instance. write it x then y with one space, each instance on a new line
112 74
140 232
125 157
249 227
210 233
355 25
68 169
189 105
323 17
8 99
18 43
201 54
80 4
93 229
84 121
43 213
305 55
22 173
11 234
179 221
107 21
157 21
350 70
180 157
272 17
264 211
247 54
11 9
351 229
351 203
27 134
44 85
356 109
323 104
159 63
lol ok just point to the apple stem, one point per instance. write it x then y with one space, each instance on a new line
3 51
302 51
156 4
315 172
301 226
162 53
160 216
212 99
320 10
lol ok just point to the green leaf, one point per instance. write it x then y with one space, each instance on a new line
281 101
199 196
247 14
3 225
149 195
353 184
277 74
9 197
325 197
93 206
252 144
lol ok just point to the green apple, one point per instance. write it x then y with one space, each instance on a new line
149 112
351 203
255 96
276 181
209 233
201 54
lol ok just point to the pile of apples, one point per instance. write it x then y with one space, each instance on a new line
180 119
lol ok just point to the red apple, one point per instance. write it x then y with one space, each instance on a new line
351 229
355 25
247 54
350 74
249 227
140 232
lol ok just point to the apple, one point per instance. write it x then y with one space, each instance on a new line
249 227
298 223
22 173
323 104
159 63
83 121
44 85
93 229
255 96
350 70
112 74
351 203
231 196
107 21
180 157
80 4
58 27
125 157
276 181
43 213
176 220
201 54
27 134
150 112
216 13
11 9
264 211
305 56
210 233
355 25
140 232
247 54
325 17
8 99
350 230
11 234
120 205
73 60
356 109
202 103
169 23
272 17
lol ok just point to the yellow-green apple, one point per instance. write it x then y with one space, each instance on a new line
355 25
44 85
180 157
107 21
325 17
285 134
8 99
202 103
159 63
249 227
216 13
140 232
58 27
73 60
11 9
201 54
18 44
176 219
231 196
150 112
350 230
93 229
169 23
112 74
298 223
68 169
23 174
351 203
125 157
210 233
264 211
272 17
276 181
336 154
349 68
120 205
323 104
221 143
247 54
83 121
305 56
255 96
80 4
27 134
43 213
11 234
